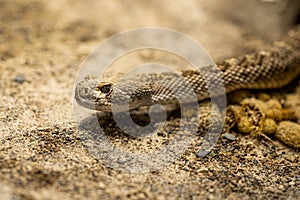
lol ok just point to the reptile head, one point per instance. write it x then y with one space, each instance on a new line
112 91
88 95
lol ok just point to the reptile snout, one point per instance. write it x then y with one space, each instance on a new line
85 93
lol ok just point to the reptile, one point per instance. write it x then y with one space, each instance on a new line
272 68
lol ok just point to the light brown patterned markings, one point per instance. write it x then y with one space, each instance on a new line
271 68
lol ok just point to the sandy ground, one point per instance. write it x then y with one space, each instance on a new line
42 155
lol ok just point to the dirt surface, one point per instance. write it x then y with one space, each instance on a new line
42 154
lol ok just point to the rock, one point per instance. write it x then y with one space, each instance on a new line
229 136
19 79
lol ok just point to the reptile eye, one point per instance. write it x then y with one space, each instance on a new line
104 88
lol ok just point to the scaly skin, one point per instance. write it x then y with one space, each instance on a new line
272 68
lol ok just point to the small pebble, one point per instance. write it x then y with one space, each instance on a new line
211 190
19 79
281 187
202 153
292 183
229 136
255 161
